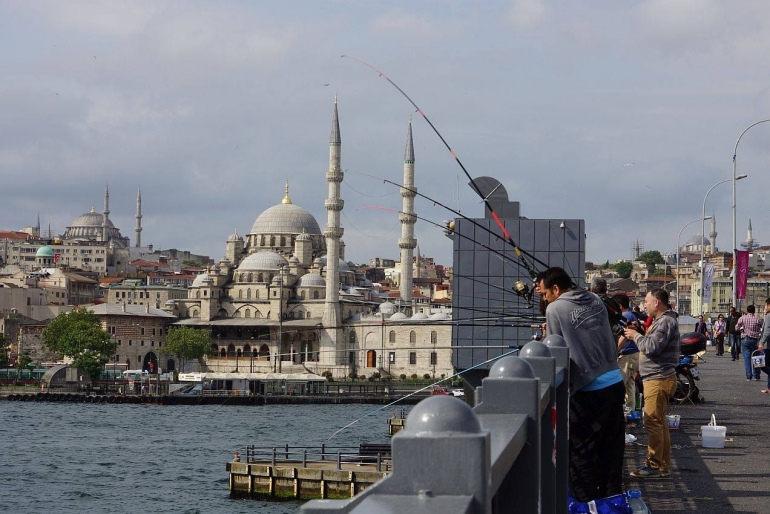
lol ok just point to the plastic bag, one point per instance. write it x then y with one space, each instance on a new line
617 504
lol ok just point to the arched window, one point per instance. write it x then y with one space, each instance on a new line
248 294
315 295
260 278
433 337
261 240
392 337
371 359
197 294
302 295
246 349
251 277
300 315
240 293
412 338
247 314
242 277
194 313
256 294
272 240
283 241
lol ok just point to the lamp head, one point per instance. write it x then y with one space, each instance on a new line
741 177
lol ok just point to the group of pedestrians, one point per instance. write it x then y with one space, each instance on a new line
748 337
598 389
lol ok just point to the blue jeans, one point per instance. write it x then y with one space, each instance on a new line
735 345
749 345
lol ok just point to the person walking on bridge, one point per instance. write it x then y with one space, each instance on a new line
658 356
750 326
762 345
596 423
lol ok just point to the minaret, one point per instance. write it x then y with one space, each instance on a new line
138 226
106 212
750 243
407 242
37 227
332 317
713 233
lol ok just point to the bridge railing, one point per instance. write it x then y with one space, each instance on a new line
507 454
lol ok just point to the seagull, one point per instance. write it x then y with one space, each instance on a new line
629 164
326 85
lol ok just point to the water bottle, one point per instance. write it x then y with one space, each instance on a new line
635 502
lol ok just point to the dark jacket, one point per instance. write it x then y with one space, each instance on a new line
732 320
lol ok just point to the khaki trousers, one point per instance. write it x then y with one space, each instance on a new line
629 365
656 396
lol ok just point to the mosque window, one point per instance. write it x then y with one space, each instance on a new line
272 240
283 241
300 315
412 358
197 294
251 277
433 337
248 294
247 314
261 240
302 295
260 278
240 293
433 358
412 337
392 337
315 295
256 294
194 313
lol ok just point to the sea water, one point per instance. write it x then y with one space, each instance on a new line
95 458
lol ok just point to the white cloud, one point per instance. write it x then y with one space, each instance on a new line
527 14
101 17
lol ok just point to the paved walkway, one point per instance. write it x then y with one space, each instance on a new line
735 479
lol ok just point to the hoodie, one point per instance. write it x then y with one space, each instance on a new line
581 319
659 348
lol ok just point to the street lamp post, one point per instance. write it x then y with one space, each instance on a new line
678 251
735 240
703 234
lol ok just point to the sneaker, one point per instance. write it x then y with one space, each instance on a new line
756 378
646 472
665 474
748 379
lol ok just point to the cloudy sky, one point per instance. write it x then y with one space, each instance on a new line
620 113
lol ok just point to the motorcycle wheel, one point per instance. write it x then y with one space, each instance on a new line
685 387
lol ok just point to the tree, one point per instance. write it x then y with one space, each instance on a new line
4 348
624 269
187 343
191 263
652 257
78 334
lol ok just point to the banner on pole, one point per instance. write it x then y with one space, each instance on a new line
708 279
742 268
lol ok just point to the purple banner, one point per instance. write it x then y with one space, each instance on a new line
742 269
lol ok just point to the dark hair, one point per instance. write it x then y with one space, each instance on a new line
622 300
767 302
555 277
661 295
750 309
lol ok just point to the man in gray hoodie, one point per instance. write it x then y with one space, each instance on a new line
596 424
658 357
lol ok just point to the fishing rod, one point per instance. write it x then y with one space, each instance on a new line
515 350
519 252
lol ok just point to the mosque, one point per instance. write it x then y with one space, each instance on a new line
284 299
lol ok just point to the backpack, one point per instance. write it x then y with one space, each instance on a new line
615 314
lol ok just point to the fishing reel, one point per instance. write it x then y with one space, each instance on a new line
522 290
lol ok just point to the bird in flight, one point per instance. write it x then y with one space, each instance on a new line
629 164
326 85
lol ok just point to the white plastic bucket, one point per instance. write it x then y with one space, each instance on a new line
758 359
713 435
673 421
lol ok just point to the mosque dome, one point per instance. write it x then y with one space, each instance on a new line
311 280
91 219
199 279
234 237
261 261
89 226
343 265
420 316
44 252
697 240
440 316
399 316
304 237
285 218
387 308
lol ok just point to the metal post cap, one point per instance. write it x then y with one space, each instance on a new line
511 367
438 414
535 349
555 341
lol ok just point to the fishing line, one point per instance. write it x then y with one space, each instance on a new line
516 350
519 252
